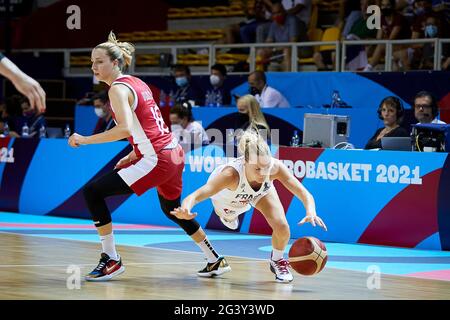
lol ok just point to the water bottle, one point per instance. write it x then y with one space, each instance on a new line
162 99
218 99
171 99
212 98
6 129
42 132
207 98
335 99
295 140
25 130
67 131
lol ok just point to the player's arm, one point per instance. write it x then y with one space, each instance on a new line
227 178
118 95
291 183
23 83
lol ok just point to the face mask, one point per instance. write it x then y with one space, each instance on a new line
419 11
386 11
100 112
215 80
181 81
243 118
280 19
254 91
431 31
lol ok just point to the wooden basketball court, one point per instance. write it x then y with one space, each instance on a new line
37 268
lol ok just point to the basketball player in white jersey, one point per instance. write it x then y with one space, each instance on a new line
247 181
157 160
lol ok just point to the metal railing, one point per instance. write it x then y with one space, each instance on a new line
340 50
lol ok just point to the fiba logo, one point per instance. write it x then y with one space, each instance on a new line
74 20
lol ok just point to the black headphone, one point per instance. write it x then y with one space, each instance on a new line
398 106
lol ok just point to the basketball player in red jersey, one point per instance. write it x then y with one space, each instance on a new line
157 160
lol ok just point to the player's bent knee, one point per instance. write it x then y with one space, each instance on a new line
281 228
92 194
189 226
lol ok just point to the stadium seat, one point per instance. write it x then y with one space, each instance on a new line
330 34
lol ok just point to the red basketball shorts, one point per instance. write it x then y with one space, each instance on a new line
163 170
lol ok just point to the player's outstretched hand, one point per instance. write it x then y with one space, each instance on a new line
76 140
314 220
182 213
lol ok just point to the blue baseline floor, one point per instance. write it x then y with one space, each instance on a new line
389 260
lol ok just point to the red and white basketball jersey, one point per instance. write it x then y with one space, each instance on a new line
149 133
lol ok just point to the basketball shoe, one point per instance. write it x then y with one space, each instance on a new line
232 224
106 269
215 268
281 270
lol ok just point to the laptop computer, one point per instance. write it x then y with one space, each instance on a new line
396 143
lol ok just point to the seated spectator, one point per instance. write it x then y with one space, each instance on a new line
31 118
393 26
187 90
299 8
246 31
266 96
259 15
426 24
9 114
284 28
185 128
391 112
406 8
217 87
87 99
250 115
350 11
426 109
103 112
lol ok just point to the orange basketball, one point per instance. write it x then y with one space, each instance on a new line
308 256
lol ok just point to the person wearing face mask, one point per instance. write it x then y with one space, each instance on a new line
10 113
31 117
266 96
186 89
393 26
285 27
103 111
217 87
421 55
185 128
250 115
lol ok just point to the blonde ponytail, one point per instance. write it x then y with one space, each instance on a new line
122 51
251 143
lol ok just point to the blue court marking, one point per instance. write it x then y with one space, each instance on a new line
355 257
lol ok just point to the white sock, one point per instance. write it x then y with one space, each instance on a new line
277 254
109 246
208 250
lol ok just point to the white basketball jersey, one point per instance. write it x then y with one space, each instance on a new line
228 203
